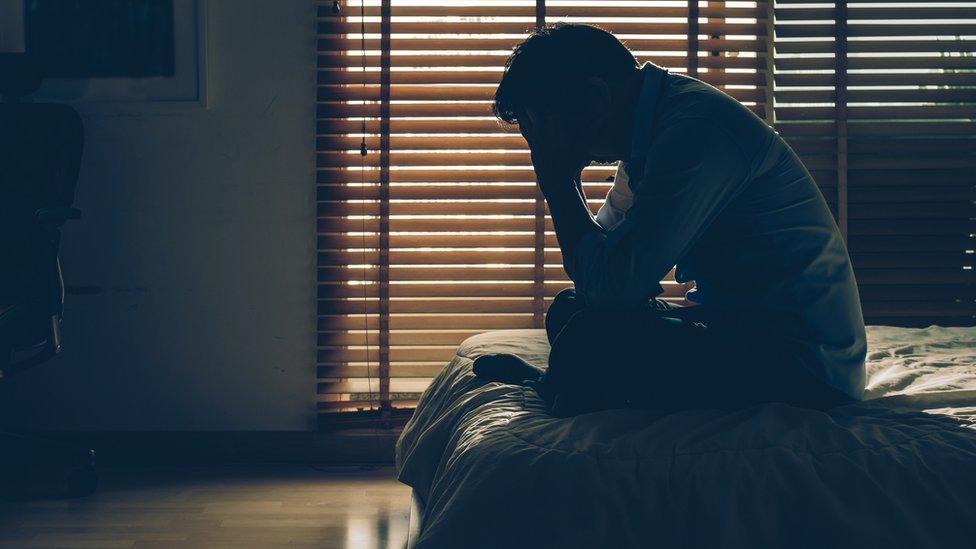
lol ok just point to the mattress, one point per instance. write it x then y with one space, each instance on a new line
491 467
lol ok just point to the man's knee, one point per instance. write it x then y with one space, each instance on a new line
588 345
565 305
609 331
600 352
565 294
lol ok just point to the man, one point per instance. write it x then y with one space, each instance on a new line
703 185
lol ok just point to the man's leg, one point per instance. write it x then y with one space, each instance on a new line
674 360
508 368
610 358
564 307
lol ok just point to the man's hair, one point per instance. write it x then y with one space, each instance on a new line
551 65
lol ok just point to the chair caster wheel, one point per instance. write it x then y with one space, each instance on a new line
81 481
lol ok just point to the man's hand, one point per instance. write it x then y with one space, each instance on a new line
558 159
556 156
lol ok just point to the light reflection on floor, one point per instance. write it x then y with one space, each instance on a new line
219 506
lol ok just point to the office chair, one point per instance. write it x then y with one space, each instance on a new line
40 154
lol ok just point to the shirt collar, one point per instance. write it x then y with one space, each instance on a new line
650 94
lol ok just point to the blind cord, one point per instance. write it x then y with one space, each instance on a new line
377 443
363 151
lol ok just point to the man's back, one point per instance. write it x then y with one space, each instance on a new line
771 245
706 186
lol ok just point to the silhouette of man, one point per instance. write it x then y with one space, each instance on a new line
704 185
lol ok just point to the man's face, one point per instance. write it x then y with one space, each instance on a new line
555 132
583 130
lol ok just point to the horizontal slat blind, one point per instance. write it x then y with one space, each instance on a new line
353 209
460 203
879 98
443 234
804 90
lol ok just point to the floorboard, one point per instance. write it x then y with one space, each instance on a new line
215 507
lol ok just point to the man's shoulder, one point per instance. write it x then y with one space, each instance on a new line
693 104
691 99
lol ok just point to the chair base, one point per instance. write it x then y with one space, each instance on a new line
34 466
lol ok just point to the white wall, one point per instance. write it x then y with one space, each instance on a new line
197 247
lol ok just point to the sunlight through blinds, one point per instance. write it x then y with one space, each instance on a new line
879 98
438 233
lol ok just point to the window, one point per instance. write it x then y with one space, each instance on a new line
438 232
879 98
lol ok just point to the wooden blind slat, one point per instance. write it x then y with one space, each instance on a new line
892 92
887 86
337 45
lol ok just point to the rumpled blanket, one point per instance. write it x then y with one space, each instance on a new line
492 468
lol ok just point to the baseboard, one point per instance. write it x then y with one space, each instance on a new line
126 448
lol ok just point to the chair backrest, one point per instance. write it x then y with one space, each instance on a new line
18 76
40 155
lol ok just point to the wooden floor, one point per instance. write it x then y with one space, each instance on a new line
226 506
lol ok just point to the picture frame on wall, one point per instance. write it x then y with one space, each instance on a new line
137 54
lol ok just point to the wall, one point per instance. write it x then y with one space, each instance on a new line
195 254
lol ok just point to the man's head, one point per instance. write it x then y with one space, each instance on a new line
578 78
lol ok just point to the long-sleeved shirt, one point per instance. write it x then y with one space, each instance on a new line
712 190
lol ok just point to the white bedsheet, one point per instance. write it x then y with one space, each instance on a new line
494 469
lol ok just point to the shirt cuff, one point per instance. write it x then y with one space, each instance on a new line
618 201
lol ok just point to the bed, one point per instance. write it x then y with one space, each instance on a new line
489 467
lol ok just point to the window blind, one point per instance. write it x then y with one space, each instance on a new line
879 99
438 232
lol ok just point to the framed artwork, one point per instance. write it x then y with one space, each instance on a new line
111 51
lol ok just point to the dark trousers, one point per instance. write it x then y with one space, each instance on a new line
671 358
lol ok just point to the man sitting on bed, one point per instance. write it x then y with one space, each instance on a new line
705 186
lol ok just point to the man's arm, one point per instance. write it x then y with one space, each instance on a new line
571 217
692 171
558 172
